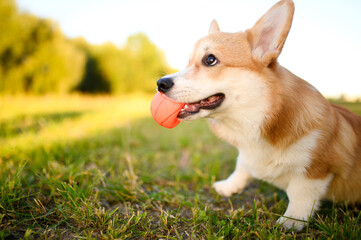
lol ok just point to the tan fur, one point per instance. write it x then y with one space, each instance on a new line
344 151
232 48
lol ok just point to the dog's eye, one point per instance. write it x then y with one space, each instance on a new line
210 60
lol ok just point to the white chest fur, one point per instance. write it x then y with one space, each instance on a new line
277 166
267 162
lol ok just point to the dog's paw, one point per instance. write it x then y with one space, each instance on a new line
226 188
291 223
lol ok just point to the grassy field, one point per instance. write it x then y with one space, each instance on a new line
100 168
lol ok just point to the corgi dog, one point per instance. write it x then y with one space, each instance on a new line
286 132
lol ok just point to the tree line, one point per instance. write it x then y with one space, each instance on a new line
36 58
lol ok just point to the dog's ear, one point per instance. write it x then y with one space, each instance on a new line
214 27
269 34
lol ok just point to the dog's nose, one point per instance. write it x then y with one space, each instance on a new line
165 84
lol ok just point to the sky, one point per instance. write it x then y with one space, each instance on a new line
323 46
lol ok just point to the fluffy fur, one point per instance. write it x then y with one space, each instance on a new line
286 132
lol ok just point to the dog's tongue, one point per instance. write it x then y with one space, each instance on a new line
165 111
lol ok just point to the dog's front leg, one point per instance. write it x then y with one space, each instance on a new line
235 183
304 198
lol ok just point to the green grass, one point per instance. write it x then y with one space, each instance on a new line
100 168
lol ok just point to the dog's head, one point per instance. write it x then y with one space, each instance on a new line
228 69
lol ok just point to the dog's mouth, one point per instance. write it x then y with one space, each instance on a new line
208 103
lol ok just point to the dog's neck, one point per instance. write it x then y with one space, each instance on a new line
296 109
236 131
290 114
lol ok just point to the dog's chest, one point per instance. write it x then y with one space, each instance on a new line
267 162
276 167
279 165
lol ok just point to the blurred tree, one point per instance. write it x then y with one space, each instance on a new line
35 57
135 67
101 68
94 80
114 65
148 63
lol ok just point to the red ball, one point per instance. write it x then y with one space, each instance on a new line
165 111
